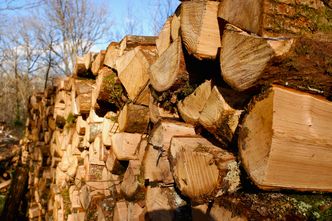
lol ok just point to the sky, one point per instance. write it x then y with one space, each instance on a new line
136 16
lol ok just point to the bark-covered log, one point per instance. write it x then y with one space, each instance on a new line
269 18
247 60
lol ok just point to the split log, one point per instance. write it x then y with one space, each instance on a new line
248 60
219 118
156 165
112 163
98 62
108 91
200 29
92 130
132 180
169 71
83 103
112 54
161 203
164 39
216 213
176 24
202 170
110 127
120 211
83 65
277 120
133 119
133 67
125 145
130 42
270 18
191 107
135 212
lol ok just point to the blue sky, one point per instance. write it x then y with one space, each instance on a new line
140 15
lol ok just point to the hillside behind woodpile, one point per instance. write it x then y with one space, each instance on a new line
225 115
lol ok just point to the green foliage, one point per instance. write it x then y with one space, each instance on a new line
70 119
113 90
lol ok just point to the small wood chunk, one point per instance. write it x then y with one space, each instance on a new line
133 67
95 151
200 29
156 165
136 212
98 62
219 118
80 125
131 182
124 145
176 24
112 54
133 119
109 128
120 211
74 197
131 41
191 107
169 70
282 118
112 163
202 170
164 39
85 197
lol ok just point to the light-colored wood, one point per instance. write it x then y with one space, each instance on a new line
161 203
156 165
176 24
92 130
83 103
248 60
283 118
112 53
98 63
169 70
191 107
200 29
270 18
124 145
202 170
109 128
120 211
164 39
131 41
133 119
132 181
85 197
135 212
219 118
112 163
79 67
133 67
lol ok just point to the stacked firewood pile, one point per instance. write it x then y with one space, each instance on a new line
176 127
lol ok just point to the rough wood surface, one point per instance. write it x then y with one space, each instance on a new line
98 62
164 39
112 54
156 165
283 118
169 70
125 145
219 118
202 170
200 29
133 119
129 42
133 67
248 60
271 18
191 107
